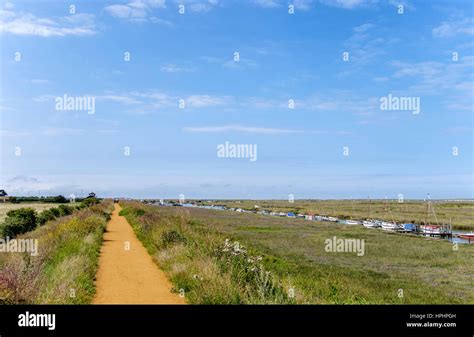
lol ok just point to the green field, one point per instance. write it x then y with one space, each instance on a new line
395 268
459 214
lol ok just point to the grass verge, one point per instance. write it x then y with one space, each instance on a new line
63 271
208 267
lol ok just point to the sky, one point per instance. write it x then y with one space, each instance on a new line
300 83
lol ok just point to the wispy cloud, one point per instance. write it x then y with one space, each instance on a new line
239 128
59 131
454 26
14 133
198 6
267 3
124 99
137 10
28 24
363 46
347 4
173 68
39 81
452 81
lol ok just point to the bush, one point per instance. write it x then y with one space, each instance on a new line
45 216
65 210
19 221
55 211
89 202
171 236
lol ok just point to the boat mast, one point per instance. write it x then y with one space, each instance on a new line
368 208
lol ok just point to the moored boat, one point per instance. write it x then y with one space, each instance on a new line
409 227
390 226
352 222
467 236
370 224
430 229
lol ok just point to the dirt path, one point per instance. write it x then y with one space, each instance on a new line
129 276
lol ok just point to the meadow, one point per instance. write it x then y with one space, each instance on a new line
458 213
229 257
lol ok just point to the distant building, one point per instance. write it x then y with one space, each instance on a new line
91 195
3 195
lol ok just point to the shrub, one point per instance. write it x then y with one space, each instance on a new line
65 210
19 221
45 216
55 212
171 236
89 201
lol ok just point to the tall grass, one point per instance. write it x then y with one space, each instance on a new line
63 271
207 266
190 243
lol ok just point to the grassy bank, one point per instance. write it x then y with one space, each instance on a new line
64 268
206 265
395 268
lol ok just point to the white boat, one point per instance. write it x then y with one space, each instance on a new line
370 224
352 222
430 229
390 226
333 219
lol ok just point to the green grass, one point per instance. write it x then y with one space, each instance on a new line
426 270
64 270
200 262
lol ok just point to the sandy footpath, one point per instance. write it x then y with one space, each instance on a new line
129 276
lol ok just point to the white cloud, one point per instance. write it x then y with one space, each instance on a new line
241 64
173 68
118 99
56 131
453 81
43 98
347 4
198 6
455 26
202 101
29 24
39 81
137 10
238 128
267 3
304 5
366 46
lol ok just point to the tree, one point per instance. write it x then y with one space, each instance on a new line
60 199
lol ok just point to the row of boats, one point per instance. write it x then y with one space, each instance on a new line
389 226
384 225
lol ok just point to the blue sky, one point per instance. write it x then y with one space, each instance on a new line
283 57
